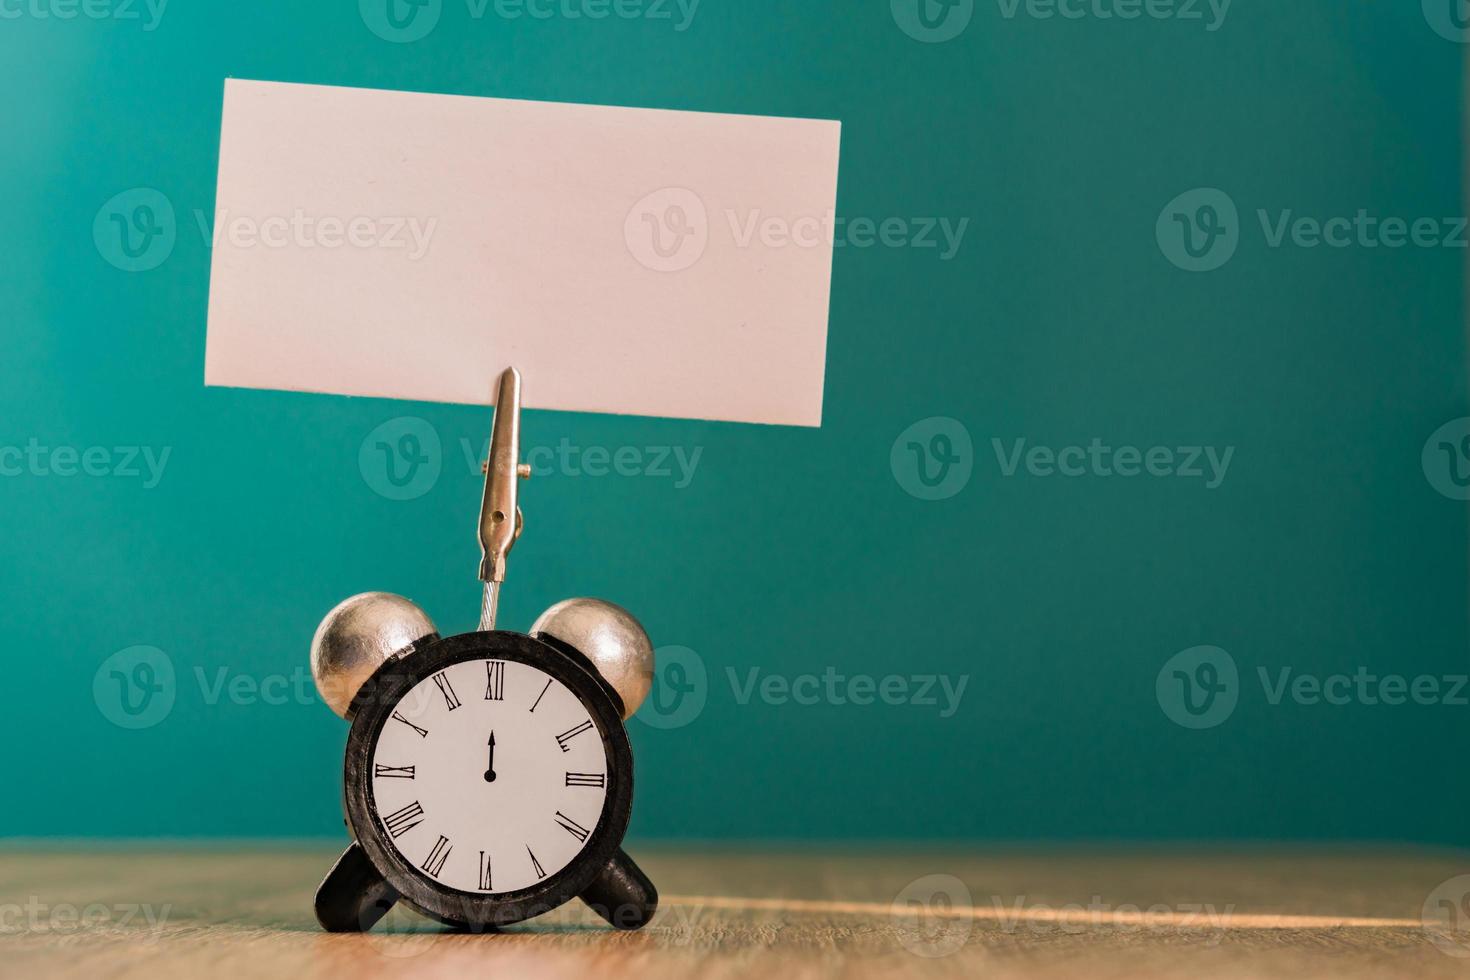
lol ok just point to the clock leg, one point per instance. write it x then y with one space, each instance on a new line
622 894
353 896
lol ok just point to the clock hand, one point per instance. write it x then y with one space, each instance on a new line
490 766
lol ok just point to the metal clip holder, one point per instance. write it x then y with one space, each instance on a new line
500 514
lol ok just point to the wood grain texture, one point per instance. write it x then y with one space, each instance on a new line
245 911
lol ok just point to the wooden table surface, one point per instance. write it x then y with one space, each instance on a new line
216 912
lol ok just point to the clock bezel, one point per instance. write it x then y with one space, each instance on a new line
374 705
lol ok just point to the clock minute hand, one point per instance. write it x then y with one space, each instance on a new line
490 766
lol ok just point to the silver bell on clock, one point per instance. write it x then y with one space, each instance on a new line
609 636
357 637
365 631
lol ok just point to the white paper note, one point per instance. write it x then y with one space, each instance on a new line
635 261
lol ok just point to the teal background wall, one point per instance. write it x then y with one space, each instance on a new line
1326 548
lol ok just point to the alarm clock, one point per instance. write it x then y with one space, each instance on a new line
488 777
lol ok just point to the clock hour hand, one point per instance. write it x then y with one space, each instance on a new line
490 766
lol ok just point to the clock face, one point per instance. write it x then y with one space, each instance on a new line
489 776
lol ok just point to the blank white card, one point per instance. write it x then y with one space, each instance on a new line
635 261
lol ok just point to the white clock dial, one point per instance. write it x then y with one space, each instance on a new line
489 776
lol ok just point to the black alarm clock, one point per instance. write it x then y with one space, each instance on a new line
488 777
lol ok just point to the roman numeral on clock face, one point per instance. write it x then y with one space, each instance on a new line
567 736
495 680
434 863
571 826
423 732
400 822
442 682
396 772
481 786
